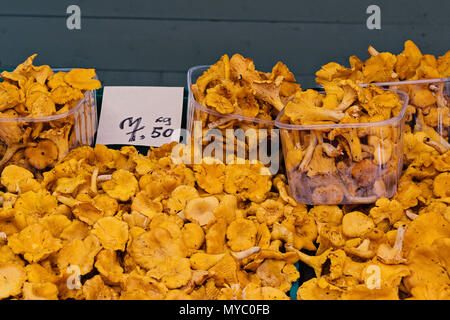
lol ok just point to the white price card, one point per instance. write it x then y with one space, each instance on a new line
144 116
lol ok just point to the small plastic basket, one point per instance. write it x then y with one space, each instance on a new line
213 123
78 125
346 180
422 117
193 74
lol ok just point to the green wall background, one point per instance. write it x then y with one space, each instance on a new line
155 42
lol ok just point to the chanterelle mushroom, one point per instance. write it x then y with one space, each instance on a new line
393 255
43 155
305 109
201 210
422 126
356 224
269 90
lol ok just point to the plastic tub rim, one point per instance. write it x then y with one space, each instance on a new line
403 82
407 82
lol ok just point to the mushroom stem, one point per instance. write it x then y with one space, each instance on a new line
438 89
354 144
433 87
350 196
287 141
372 51
357 199
309 152
71 202
366 155
3 237
315 262
436 145
398 245
104 177
363 250
411 215
269 91
354 111
366 148
364 246
245 253
348 99
331 151
219 122
379 188
382 149
393 255
235 288
181 215
240 144
145 223
10 151
422 126
94 180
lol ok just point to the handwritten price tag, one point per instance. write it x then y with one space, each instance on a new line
145 116
135 126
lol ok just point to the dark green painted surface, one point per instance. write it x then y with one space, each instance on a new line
155 42
339 11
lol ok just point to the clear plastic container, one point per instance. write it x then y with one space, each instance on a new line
429 102
67 130
248 143
321 171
